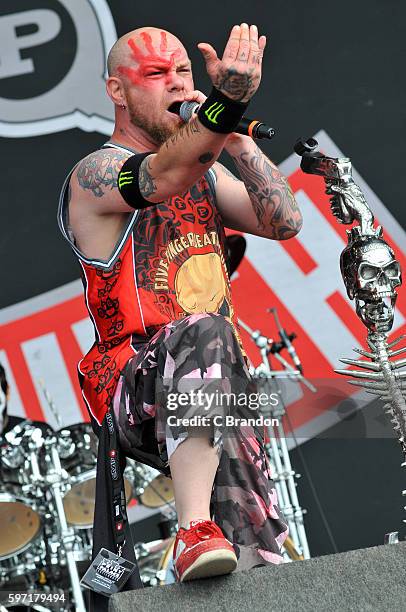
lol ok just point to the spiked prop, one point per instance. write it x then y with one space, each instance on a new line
371 275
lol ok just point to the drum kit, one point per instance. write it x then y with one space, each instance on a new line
47 497
48 485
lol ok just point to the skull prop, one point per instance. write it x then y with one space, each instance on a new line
371 273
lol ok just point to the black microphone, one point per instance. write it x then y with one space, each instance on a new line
247 127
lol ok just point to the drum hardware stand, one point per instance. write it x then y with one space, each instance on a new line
371 274
277 450
56 479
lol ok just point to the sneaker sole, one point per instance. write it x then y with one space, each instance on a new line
211 563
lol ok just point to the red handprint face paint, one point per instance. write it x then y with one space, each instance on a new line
154 65
158 72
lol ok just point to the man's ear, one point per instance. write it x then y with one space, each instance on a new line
115 91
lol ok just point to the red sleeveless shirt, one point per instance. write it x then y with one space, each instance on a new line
167 264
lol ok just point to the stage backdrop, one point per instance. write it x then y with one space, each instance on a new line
330 71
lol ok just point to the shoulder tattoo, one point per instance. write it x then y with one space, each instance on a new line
98 172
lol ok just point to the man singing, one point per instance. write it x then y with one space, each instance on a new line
145 216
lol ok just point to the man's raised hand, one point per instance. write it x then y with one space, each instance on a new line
238 74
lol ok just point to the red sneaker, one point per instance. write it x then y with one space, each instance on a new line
202 551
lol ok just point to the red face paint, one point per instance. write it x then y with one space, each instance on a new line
149 62
164 42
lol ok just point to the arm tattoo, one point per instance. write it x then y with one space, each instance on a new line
186 131
99 170
145 179
270 194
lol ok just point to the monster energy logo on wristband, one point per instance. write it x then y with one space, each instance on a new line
214 111
125 178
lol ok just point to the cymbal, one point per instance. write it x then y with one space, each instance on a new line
235 250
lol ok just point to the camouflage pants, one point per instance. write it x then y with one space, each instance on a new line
201 352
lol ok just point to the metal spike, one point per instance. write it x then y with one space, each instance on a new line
378 386
396 341
394 353
397 364
375 367
365 353
357 374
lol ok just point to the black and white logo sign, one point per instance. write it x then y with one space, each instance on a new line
52 66
110 569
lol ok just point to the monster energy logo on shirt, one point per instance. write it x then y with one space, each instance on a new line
125 178
214 111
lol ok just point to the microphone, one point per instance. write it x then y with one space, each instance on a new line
247 127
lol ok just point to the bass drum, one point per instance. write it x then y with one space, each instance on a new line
155 562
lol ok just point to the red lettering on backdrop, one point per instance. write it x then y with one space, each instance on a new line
57 319
331 388
149 61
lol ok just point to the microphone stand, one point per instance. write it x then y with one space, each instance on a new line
277 449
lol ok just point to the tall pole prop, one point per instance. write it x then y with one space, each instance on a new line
371 274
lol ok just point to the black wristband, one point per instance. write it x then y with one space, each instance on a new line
221 114
128 182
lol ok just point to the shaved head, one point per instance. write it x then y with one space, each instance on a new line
149 70
120 54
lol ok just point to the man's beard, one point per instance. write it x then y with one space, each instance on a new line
158 133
